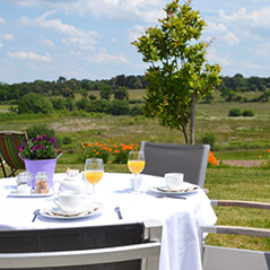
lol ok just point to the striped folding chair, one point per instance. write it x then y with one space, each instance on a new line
10 141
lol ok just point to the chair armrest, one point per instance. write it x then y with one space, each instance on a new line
78 257
260 232
246 204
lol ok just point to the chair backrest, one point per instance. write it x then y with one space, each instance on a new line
223 258
10 141
115 247
161 158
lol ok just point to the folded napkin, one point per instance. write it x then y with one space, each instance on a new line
180 249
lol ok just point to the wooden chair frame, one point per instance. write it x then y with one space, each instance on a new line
214 257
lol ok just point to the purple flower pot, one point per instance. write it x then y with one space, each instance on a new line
41 165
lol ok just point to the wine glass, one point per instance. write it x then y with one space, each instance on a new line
93 171
136 164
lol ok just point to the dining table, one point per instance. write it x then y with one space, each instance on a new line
180 215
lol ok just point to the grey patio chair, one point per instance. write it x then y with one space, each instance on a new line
119 247
161 158
223 258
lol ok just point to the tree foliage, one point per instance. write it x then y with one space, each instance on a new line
34 103
179 74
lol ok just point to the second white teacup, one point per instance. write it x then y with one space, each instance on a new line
69 201
174 180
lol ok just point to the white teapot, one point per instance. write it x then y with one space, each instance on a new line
73 181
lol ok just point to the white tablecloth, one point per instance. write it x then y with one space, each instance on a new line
180 249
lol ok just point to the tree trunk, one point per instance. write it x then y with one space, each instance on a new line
184 127
192 119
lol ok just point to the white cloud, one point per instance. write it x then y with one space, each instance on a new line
216 27
114 40
214 58
8 37
47 42
74 36
249 65
136 10
30 56
1 45
101 57
104 57
256 22
2 20
136 32
238 15
231 39
263 50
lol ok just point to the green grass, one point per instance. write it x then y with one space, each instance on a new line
249 184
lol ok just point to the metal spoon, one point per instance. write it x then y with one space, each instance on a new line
36 213
118 211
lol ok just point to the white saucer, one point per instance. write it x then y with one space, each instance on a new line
55 212
16 194
164 190
183 188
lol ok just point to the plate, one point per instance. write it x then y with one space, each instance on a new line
15 194
56 213
187 189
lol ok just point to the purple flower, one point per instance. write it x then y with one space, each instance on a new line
53 139
38 146
55 146
39 139
20 148
43 137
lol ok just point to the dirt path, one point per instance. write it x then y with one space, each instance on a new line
243 163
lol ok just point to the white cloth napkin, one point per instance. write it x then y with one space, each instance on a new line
180 248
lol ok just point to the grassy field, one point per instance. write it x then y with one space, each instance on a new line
237 138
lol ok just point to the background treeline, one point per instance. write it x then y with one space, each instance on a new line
232 88
112 96
67 88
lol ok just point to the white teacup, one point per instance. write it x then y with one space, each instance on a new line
69 201
174 180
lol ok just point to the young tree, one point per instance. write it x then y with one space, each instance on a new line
179 74
105 91
121 93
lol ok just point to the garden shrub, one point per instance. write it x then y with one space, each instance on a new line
134 101
208 138
34 103
95 150
67 140
136 110
235 112
37 130
119 107
121 151
248 113
98 106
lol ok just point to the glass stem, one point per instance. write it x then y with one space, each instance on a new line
94 194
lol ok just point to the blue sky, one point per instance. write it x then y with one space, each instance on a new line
45 39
